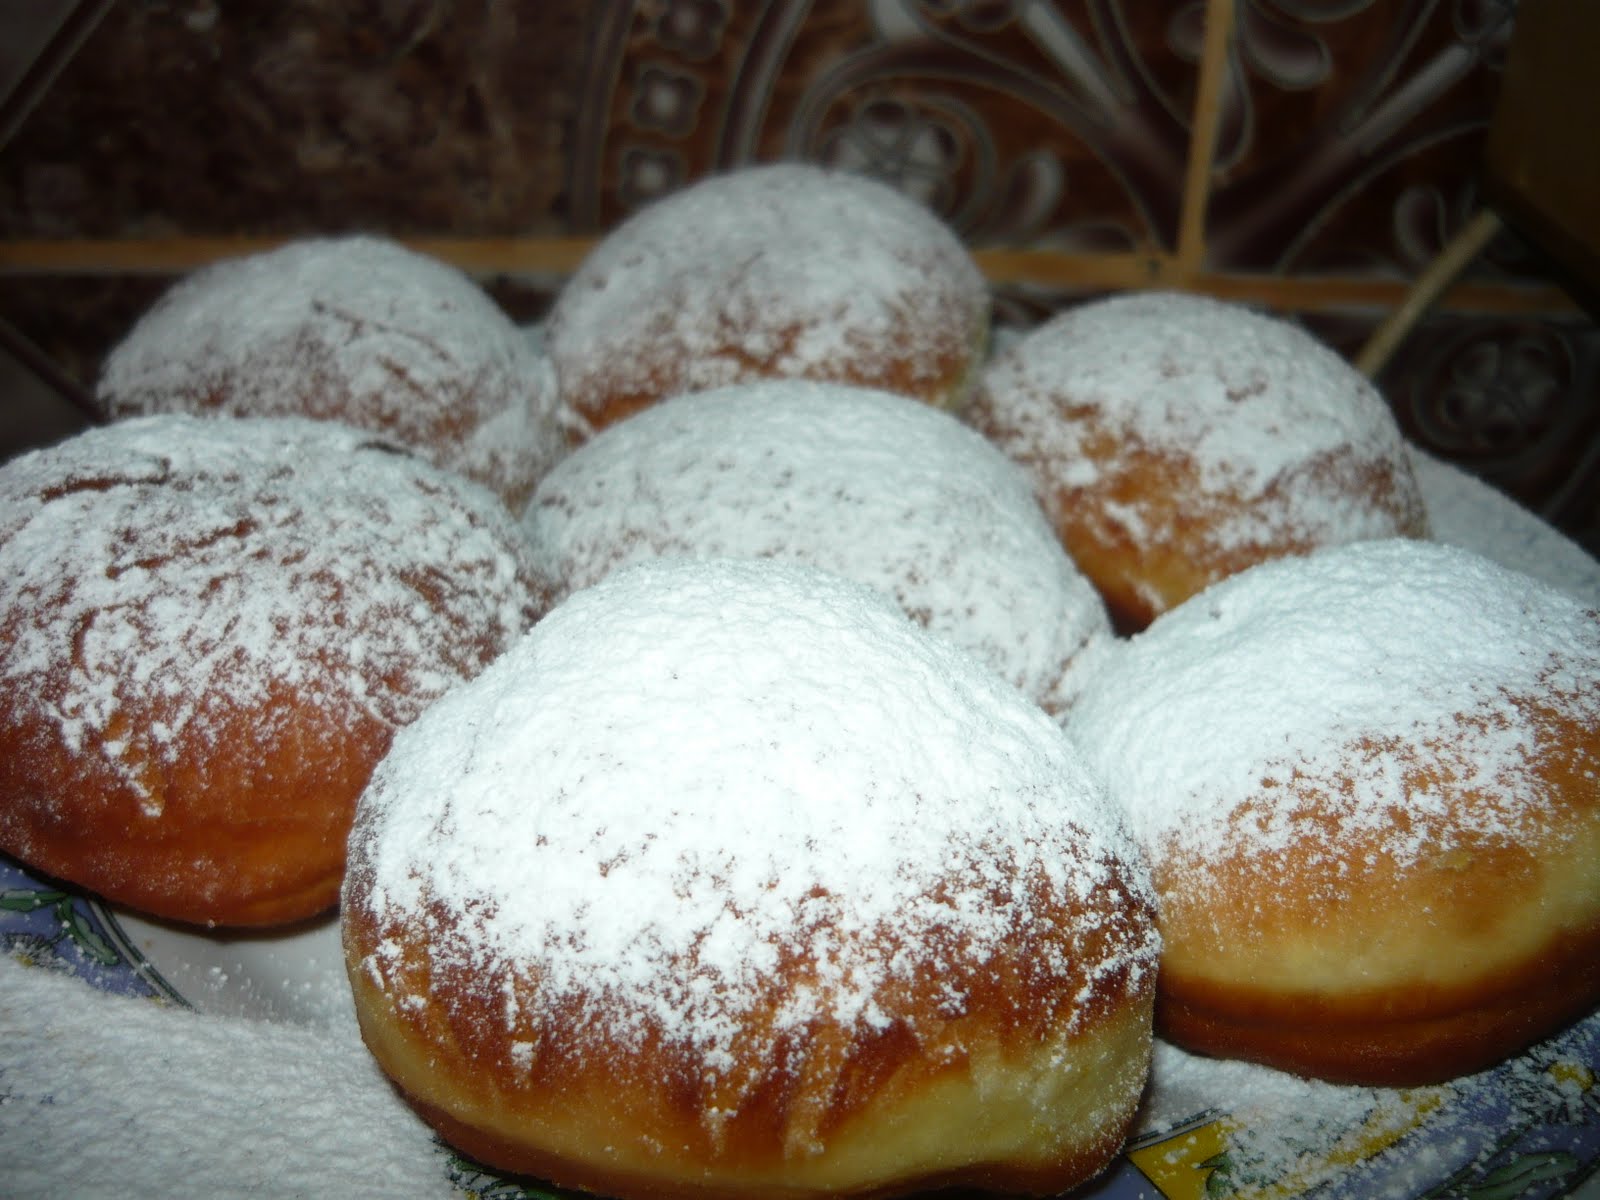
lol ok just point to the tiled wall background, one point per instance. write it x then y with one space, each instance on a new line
1308 155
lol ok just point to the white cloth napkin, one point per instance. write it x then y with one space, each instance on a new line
104 1095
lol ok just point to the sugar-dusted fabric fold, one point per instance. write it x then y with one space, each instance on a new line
109 1096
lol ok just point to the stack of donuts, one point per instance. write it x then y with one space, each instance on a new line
761 744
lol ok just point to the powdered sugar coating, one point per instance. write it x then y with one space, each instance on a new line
355 329
1336 668
695 771
187 567
787 271
878 488
1285 437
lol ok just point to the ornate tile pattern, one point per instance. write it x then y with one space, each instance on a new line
1021 123
1349 137
1352 117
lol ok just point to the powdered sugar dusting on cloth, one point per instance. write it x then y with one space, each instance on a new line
1465 511
785 270
357 329
162 570
1288 668
107 1096
1251 400
693 771
879 488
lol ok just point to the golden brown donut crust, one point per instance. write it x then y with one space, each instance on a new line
1177 558
1046 1077
728 879
231 847
210 630
357 329
1368 969
780 271
940 376
1391 1038
1174 440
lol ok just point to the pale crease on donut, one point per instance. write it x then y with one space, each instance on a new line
1176 439
1368 782
210 628
785 271
729 881
354 329
876 487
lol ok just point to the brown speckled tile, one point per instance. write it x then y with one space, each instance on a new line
197 117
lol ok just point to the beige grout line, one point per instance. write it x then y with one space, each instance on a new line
122 256
1203 133
166 256
1083 272
490 256
88 258
1353 294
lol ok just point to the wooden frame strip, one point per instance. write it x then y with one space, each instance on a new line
1049 270
1203 130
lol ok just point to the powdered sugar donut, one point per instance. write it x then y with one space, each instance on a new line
353 329
1369 784
1176 439
782 271
209 632
879 488
728 880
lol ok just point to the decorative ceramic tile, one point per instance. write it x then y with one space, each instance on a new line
1060 125
1348 114
1350 143
1511 399
1515 402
